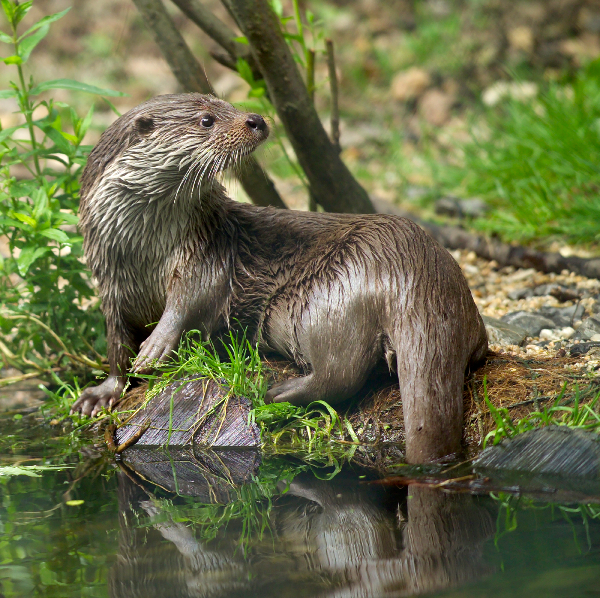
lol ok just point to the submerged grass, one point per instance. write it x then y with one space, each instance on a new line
510 505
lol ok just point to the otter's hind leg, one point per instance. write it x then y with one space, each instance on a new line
341 348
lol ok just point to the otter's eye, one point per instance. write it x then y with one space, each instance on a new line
207 121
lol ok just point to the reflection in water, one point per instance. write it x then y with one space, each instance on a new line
334 538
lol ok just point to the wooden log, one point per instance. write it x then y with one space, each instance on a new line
197 412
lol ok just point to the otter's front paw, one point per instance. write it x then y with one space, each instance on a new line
96 398
153 350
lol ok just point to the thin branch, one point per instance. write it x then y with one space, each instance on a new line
185 67
22 377
454 237
218 31
335 110
310 74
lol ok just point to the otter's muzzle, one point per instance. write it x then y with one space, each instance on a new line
256 123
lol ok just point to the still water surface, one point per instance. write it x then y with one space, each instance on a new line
246 525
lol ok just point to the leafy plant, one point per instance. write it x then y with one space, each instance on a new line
50 317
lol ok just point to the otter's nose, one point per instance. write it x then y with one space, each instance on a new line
256 122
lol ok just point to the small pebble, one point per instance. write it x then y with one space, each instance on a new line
567 332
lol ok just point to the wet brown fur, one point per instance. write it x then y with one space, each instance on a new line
336 293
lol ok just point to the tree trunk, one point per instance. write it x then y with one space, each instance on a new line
330 181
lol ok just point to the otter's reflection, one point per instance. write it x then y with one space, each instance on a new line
337 538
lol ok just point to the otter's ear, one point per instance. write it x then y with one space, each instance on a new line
143 125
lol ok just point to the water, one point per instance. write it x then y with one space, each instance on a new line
102 528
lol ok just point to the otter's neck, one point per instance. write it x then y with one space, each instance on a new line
149 216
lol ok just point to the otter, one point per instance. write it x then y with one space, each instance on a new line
336 293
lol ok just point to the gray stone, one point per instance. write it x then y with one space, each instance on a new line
448 206
554 450
501 333
582 348
588 328
563 316
461 208
474 207
520 294
533 324
559 291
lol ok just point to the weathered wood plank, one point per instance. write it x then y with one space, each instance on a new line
192 412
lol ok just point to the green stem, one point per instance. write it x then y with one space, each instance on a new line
25 103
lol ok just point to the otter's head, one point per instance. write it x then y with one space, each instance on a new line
174 140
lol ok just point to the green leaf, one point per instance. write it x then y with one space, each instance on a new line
61 143
13 60
6 133
7 93
25 218
277 7
75 86
256 92
40 202
243 68
29 43
68 218
242 39
56 235
69 137
10 470
45 21
7 39
28 256
9 10
294 36
20 11
84 124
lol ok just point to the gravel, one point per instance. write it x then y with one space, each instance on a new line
551 313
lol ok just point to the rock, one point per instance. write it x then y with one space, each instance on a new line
549 335
448 206
588 329
567 332
502 333
517 294
553 450
474 207
410 84
460 208
562 316
435 106
521 39
531 323
582 348
501 90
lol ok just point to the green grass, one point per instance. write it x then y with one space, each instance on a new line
311 431
576 415
538 164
